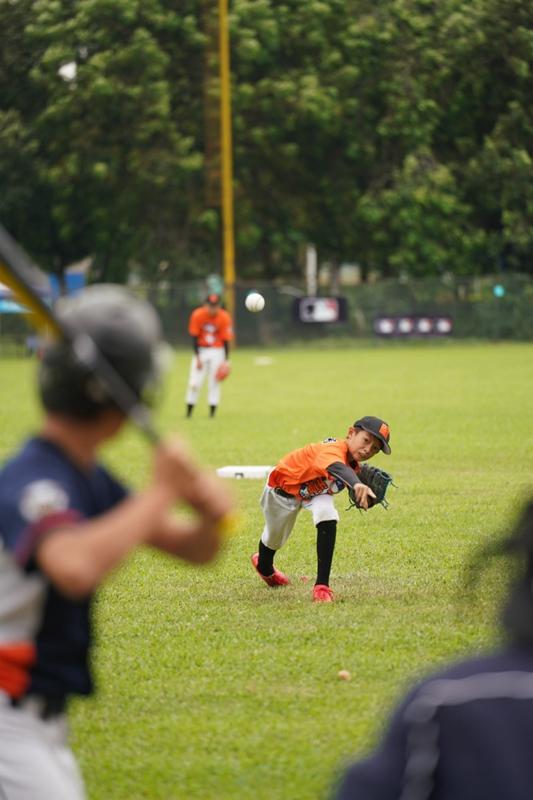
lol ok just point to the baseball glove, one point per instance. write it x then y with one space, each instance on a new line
223 371
378 480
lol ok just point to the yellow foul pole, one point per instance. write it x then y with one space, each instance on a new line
226 158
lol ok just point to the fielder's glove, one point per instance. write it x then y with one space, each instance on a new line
378 480
223 371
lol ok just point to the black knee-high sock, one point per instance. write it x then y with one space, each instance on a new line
265 565
326 533
190 408
212 411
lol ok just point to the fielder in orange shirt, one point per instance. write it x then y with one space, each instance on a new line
309 478
211 329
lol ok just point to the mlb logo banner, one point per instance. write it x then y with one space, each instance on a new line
320 310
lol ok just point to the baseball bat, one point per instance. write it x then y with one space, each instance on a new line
23 277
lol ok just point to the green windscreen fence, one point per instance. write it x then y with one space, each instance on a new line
492 307
499 307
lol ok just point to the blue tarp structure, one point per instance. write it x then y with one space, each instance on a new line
15 319
74 281
14 327
7 304
10 307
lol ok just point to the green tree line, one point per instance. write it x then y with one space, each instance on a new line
394 133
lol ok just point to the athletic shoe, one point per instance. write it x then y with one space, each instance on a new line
322 594
276 579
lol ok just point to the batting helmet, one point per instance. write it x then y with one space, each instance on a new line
126 332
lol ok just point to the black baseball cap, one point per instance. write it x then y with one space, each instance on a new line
378 428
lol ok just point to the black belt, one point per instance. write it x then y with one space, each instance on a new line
43 707
284 494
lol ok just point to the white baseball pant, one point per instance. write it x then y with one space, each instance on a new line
210 359
35 759
281 512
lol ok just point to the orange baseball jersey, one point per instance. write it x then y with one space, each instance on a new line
211 330
303 473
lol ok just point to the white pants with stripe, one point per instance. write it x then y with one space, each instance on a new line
210 359
281 512
36 762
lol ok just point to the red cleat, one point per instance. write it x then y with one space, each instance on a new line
276 579
322 594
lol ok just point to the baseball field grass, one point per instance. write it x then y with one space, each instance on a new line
212 686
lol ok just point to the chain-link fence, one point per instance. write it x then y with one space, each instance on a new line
17 337
497 307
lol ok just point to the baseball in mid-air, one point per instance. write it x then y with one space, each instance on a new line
254 302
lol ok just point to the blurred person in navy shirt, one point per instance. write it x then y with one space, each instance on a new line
66 522
465 733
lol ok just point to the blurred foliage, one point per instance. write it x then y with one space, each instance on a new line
394 133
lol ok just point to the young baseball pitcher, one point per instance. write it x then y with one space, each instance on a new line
309 478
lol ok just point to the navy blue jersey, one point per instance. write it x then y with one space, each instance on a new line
464 734
44 636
